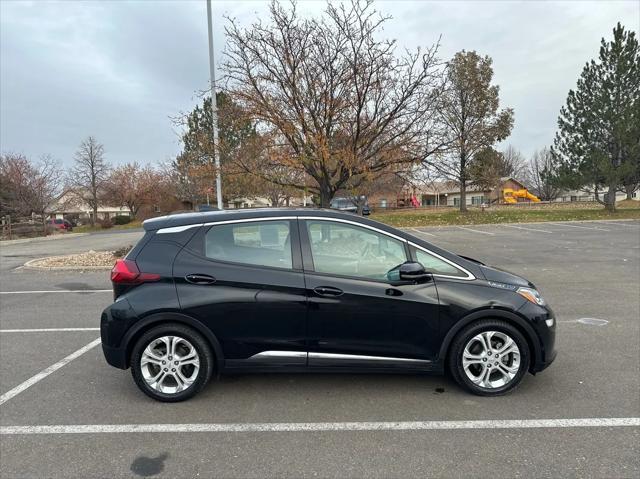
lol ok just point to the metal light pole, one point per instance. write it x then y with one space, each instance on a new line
214 108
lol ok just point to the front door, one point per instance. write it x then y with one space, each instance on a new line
244 280
356 317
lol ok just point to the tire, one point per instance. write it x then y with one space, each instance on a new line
486 374
188 346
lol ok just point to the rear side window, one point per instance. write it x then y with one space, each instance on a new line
59 222
260 243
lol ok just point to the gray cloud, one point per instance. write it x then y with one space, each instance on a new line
119 70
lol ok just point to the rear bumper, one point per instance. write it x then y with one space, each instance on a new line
114 323
116 357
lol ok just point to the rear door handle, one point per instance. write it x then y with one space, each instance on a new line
327 291
200 279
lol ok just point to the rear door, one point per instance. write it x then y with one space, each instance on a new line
244 280
357 318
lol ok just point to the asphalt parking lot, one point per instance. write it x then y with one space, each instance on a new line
65 413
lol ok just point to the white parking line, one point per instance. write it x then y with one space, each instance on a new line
476 231
421 232
527 229
576 226
323 426
607 223
59 291
46 330
46 372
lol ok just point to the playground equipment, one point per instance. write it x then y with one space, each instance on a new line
511 196
414 202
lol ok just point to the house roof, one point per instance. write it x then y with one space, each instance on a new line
452 187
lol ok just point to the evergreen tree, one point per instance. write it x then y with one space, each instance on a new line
598 142
195 164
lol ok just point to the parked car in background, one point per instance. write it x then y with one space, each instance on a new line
60 224
309 290
349 205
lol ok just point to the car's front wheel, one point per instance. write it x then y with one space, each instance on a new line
489 358
171 362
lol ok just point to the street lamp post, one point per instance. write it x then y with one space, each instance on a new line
214 108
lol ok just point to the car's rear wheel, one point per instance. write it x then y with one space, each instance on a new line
171 362
489 358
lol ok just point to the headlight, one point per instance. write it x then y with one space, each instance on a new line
532 295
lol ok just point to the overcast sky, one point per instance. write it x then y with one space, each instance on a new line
120 70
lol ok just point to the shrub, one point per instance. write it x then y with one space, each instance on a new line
122 252
121 220
105 223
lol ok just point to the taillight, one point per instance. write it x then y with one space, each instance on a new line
126 271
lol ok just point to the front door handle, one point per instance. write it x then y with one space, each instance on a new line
200 279
327 291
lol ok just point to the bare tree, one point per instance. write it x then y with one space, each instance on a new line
490 167
45 186
470 113
515 163
339 98
133 186
33 187
541 175
89 173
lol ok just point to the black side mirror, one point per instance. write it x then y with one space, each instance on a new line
408 272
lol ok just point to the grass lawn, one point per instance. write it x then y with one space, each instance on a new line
503 214
89 228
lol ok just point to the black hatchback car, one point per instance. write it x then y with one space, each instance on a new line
298 290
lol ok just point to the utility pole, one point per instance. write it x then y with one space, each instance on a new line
214 108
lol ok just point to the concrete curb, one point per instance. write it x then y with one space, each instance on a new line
42 238
29 265
522 223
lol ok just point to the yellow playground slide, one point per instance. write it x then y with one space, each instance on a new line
511 196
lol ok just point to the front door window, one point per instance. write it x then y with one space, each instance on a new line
347 250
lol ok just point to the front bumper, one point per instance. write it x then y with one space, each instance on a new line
546 335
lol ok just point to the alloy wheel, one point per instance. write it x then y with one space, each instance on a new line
170 364
491 359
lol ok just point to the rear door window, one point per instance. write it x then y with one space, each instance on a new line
260 243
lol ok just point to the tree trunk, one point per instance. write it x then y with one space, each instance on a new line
610 197
326 195
463 196
275 200
629 189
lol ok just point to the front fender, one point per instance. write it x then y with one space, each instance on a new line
493 313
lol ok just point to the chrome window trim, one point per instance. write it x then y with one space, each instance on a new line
362 225
469 277
178 229
250 220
